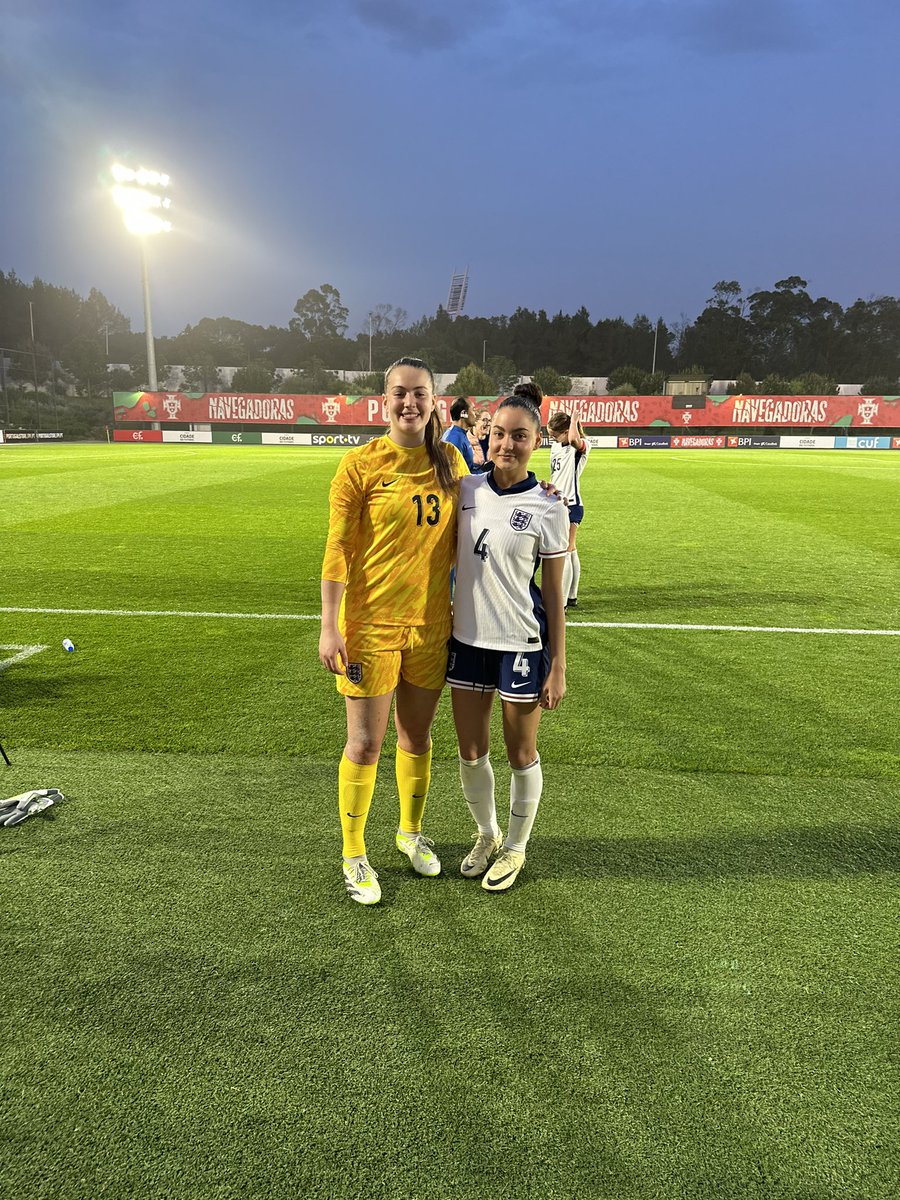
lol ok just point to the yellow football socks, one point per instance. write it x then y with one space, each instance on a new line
356 787
413 778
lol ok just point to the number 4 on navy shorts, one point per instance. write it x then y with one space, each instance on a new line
517 674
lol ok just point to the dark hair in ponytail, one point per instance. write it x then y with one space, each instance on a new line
434 430
419 365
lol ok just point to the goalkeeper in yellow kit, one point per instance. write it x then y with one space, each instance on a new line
386 611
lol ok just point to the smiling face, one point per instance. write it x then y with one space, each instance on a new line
483 426
515 435
409 397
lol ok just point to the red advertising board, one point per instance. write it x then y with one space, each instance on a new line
671 413
137 435
709 441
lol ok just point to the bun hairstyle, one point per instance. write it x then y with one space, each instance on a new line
525 403
530 391
434 430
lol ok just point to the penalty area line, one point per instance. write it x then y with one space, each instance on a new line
248 616
24 652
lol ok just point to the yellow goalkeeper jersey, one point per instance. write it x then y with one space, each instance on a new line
392 535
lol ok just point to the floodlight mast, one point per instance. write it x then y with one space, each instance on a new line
138 193
152 381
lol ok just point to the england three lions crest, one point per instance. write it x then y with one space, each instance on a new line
520 520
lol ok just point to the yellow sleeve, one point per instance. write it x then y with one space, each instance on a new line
460 466
346 498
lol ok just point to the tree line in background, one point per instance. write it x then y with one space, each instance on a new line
779 341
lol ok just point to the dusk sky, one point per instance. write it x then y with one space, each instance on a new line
622 156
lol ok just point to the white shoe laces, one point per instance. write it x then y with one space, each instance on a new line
507 858
484 844
421 843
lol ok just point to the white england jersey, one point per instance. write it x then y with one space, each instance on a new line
502 536
566 465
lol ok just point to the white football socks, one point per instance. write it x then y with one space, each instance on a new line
567 577
525 787
572 593
478 788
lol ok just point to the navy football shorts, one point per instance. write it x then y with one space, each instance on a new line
516 674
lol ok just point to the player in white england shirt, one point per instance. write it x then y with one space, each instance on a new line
568 456
509 635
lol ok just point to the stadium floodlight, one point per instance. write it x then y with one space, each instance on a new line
140 196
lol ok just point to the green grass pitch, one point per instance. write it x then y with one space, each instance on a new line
689 994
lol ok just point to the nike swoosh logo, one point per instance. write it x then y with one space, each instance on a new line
416 796
390 483
513 813
465 507
356 814
497 882
525 684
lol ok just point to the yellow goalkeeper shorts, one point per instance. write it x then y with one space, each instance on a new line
379 656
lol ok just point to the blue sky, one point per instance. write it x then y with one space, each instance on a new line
623 156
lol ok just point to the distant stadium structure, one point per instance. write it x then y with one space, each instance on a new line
456 297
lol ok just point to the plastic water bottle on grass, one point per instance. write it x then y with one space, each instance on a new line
68 646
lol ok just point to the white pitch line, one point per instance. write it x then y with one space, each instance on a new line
728 628
148 612
24 652
247 616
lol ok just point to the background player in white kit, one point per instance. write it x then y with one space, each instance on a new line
568 456
508 635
